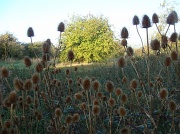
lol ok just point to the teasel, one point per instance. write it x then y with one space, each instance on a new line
122 111
174 55
35 78
124 98
124 33
172 18
68 99
30 32
133 84
124 42
67 72
135 20
75 118
12 97
96 85
109 87
121 62
61 27
4 72
70 55
164 41
78 96
155 20
96 110
28 84
167 61
83 106
118 92
174 37
46 47
45 57
155 44
163 94
125 130
172 107
58 112
99 95
130 51
39 67
95 102
86 83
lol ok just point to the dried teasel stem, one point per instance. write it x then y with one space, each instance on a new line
90 124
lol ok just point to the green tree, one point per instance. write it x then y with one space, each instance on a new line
90 38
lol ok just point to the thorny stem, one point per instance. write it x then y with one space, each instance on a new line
90 128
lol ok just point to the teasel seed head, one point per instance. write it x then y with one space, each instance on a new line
111 102
172 105
167 61
130 51
122 111
104 98
61 27
76 118
155 44
109 87
27 61
13 97
121 62
28 99
4 72
164 41
163 94
139 94
7 124
96 102
75 68
58 113
124 79
124 98
67 72
86 83
118 92
35 78
146 23
124 33
39 67
78 96
96 110
172 18
69 119
70 81
99 95
28 84
30 32
124 42
115 111
96 85
68 99
46 47
83 106
125 130
174 37
133 84
174 55
135 20
70 55
155 18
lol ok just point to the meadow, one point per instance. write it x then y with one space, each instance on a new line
128 94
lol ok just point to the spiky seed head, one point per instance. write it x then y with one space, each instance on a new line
61 27
39 67
7 124
67 72
115 111
58 113
124 33
139 94
86 83
155 44
111 102
27 61
174 37
28 99
130 51
109 86
163 94
46 47
174 55
133 84
78 96
124 42
4 72
135 20
76 117
118 92
124 79
68 119
70 55
49 41
104 98
124 98
30 32
164 41
18 84
167 61
155 18
99 95
68 99
96 110
122 111
45 57
28 84
172 105
125 130
146 23
12 97
70 81
172 18
83 106
35 78
96 85
96 102
121 62
75 68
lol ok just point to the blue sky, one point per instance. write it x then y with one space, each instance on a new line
45 15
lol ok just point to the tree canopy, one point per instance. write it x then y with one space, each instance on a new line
90 38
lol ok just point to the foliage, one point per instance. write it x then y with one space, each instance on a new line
90 37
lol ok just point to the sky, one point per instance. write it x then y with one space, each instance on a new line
16 16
